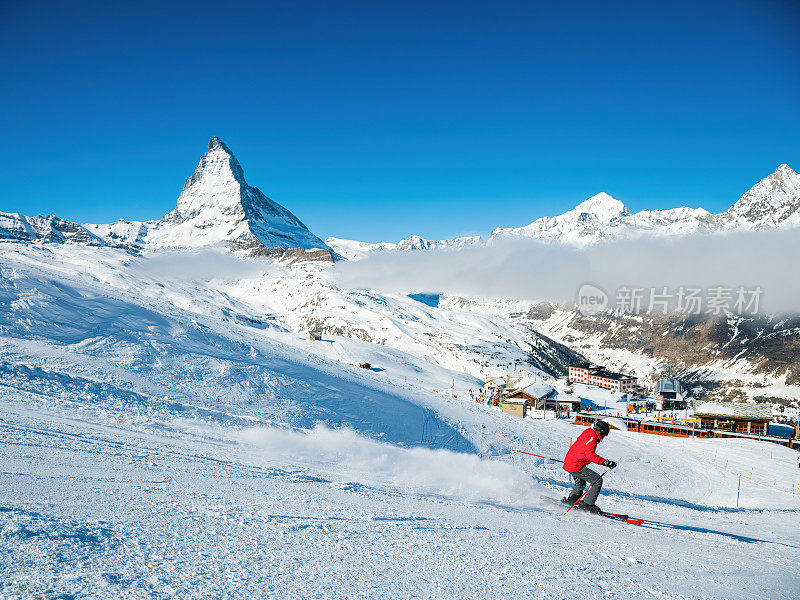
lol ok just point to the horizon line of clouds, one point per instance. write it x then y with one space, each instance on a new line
532 270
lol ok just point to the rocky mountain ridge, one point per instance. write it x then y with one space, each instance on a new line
774 202
216 208
724 356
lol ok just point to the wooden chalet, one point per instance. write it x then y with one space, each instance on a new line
494 384
740 417
676 430
533 396
516 405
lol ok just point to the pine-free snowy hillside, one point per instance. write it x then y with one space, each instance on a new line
165 436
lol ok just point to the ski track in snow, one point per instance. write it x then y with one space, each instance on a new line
155 451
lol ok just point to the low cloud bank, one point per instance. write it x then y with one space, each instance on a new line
353 458
200 265
531 270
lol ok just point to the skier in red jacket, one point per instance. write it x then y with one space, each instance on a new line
580 454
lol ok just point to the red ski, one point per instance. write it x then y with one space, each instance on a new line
624 518
615 516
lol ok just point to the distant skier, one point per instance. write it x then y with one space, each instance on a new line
580 454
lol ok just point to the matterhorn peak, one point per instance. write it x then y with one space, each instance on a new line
218 170
784 170
217 144
217 206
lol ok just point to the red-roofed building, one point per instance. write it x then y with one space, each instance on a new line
597 375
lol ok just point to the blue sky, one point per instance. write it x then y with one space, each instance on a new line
377 120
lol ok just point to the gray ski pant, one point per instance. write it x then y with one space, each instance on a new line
586 477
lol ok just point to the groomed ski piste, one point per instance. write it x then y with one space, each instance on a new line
155 447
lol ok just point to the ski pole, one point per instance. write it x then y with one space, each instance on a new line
738 489
587 490
539 456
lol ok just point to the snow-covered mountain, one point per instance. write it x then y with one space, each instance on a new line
355 250
773 202
216 208
586 221
604 217
729 357
15 226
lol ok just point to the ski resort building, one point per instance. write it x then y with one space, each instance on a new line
494 384
676 430
740 417
670 393
525 391
589 374
669 388
534 395
514 405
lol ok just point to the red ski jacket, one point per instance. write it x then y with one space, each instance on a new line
582 452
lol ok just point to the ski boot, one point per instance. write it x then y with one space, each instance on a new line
571 499
590 508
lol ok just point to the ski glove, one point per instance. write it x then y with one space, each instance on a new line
609 463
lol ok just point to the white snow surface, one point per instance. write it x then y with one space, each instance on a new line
166 435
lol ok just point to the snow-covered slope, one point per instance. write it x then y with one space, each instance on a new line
164 437
93 323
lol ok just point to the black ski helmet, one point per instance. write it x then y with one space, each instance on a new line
602 428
